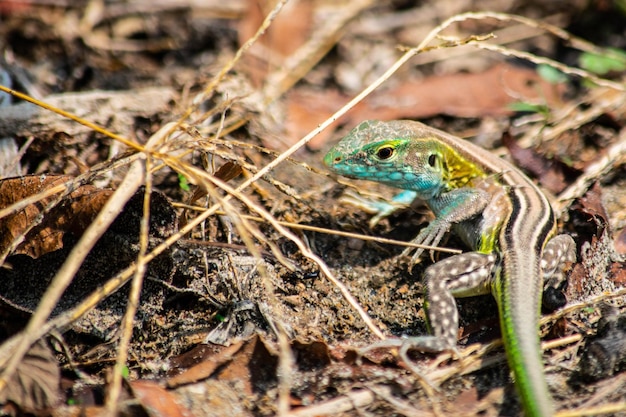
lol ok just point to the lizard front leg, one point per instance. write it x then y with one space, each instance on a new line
450 208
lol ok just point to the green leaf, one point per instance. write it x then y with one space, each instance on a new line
551 74
521 106
613 60
183 183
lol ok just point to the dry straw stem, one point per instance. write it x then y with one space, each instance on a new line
295 67
115 388
613 409
355 399
592 302
573 115
316 229
60 112
574 41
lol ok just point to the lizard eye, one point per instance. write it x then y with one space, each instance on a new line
432 159
385 152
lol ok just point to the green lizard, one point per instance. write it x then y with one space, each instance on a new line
495 209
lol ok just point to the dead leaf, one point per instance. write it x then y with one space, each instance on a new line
618 272
211 360
226 172
248 363
481 94
551 172
591 204
306 109
35 385
253 367
23 285
313 355
72 215
157 401
9 7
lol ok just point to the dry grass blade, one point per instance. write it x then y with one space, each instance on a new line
555 64
570 308
348 402
316 229
115 389
60 112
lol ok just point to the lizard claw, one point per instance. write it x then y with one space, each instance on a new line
431 235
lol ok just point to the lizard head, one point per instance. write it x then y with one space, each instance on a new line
401 154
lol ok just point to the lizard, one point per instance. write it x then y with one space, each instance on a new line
495 209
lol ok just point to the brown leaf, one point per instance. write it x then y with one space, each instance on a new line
313 355
551 172
481 94
593 206
226 172
253 367
467 399
23 285
306 109
211 360
72 215
35 385
248 363
157 401
590 220
9 7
